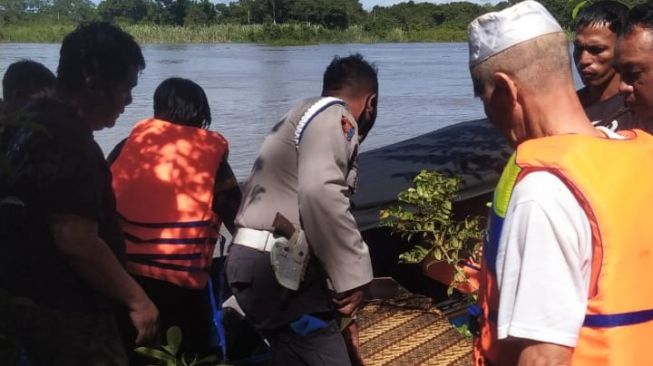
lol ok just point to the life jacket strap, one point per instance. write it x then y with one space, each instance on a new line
160 225
168 266
617 320
176 241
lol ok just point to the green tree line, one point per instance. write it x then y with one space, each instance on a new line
332 14
298 16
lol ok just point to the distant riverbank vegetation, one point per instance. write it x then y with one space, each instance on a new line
260 21
274 34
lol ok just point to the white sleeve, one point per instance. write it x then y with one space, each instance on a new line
543 263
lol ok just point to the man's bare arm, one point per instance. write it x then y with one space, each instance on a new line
226 196
544 354
77 240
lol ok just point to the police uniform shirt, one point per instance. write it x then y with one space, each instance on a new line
309 179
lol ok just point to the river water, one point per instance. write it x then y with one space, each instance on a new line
423 86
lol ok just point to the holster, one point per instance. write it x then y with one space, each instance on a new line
290 253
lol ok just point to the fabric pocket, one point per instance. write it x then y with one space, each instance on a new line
240 272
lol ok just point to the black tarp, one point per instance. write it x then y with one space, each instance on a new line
473 150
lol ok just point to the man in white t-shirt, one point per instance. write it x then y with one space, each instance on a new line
539 249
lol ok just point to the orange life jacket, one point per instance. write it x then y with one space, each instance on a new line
164 182
611 180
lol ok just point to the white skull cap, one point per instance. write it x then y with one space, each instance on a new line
494 32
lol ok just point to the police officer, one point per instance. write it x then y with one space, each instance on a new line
306 172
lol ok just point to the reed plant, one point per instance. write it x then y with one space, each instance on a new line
219 33
35 32
272 34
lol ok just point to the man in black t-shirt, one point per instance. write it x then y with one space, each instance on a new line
23 80
60 244
597 27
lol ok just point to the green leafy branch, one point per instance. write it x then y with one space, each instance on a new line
426 221
168 354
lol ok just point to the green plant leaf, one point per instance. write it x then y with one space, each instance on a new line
207 359
437 253
174 337
464 331
154 354
577 9
170 349
429 219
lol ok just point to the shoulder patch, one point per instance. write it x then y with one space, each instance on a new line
347 128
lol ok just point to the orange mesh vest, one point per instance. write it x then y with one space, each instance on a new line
164 181
611 180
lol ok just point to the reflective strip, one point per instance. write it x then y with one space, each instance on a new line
504 188
160 225
617 320
181 241
502 194
170 266
311 112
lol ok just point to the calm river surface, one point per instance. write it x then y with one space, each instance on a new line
422 87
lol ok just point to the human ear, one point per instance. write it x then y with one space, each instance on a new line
505 89
371 102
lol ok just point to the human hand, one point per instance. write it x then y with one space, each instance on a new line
349 302
145 317
352 341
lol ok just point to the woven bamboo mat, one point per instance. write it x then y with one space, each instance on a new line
391 334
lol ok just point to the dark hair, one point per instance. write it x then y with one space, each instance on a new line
25 78
610 13
97 49
351 72
183 102
639 16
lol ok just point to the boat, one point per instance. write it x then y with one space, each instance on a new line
473 150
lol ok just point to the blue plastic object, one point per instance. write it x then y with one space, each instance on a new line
218 338
307 324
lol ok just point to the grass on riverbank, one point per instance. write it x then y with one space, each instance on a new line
275 34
